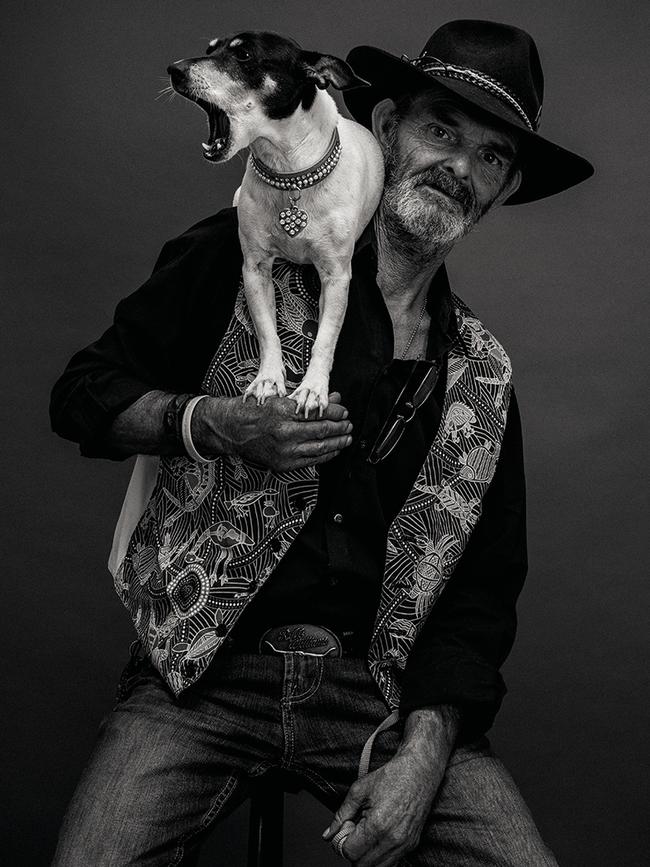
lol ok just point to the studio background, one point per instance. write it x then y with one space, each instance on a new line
99 174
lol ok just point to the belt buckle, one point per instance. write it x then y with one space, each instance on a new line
305 638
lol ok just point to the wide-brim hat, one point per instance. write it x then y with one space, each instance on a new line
494 67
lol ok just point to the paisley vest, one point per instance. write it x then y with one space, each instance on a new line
212 534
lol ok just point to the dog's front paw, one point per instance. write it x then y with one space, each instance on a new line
267 383
311 396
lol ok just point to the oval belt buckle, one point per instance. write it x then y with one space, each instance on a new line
305 638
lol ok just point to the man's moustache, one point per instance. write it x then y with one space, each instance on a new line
446 184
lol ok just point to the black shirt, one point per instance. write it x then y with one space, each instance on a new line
164 336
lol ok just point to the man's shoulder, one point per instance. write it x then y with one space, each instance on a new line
221 227
212 236
475 335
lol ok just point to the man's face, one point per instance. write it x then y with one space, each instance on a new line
444 168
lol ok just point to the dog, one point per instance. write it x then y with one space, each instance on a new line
262 91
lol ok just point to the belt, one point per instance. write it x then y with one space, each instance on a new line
305 638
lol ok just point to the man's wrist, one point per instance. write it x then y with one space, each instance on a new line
431 730
208 427
172 421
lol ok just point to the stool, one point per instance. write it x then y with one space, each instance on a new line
266 824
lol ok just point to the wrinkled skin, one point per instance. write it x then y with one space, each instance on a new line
271 434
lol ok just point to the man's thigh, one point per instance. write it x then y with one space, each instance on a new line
163 770
479 818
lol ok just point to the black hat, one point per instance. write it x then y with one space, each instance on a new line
494 67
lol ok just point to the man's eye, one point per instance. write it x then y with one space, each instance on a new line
438 131
491 158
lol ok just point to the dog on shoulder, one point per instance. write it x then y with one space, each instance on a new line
312 182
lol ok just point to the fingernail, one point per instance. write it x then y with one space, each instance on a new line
345 414
349 426
348 440
326 832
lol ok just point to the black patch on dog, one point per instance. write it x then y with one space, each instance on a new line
260 54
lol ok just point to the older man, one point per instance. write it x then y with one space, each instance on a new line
292 617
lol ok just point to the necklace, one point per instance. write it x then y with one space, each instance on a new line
415 330
293 219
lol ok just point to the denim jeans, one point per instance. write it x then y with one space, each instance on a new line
164 770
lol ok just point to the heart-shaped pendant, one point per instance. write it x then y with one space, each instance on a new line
293 220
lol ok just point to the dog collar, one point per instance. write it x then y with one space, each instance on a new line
308 177
293 219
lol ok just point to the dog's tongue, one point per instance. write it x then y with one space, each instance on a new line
219 128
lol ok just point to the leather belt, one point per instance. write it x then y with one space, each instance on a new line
305 638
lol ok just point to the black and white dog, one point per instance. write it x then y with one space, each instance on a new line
312 183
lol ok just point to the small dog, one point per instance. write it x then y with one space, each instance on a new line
312 183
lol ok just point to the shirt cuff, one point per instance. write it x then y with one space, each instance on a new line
468 683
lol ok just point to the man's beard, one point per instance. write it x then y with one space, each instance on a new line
428 219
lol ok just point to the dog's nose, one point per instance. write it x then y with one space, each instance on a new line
177 71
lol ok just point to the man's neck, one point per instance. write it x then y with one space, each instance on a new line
405 268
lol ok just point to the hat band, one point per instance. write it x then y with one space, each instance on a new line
433 65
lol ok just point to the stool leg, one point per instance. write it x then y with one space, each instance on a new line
265 830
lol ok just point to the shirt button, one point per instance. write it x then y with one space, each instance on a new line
338 518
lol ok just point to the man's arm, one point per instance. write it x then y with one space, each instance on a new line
112 397
466 638
452 687
271 435
384 812
162 338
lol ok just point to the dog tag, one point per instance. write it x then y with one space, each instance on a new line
293 220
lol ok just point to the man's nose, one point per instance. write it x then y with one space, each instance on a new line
457 164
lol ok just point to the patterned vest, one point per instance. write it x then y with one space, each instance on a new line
212 534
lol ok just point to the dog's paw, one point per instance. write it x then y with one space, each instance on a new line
266 385
311 397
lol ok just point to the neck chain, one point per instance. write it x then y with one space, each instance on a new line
293 219
415 330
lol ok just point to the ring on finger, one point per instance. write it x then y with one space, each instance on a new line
338 842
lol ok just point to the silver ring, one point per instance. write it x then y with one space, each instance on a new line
338 843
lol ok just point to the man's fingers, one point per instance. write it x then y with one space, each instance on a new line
347 811
318 448
338 840
313 431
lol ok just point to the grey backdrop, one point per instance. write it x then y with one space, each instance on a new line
99 174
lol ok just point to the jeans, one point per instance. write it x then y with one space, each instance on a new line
164 770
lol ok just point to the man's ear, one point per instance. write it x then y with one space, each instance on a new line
510 187
383 118
325 69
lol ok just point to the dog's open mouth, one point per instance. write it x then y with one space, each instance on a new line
217 143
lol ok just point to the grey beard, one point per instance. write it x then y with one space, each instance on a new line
421 225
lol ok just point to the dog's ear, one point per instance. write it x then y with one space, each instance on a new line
324 69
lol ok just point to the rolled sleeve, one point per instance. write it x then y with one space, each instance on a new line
162 336
470 631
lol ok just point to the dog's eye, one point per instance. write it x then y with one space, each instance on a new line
241 54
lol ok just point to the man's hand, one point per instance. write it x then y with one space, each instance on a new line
385 811
271 434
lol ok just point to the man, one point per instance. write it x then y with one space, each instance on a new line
349 620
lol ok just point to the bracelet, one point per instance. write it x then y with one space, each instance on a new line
172 420
186 430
